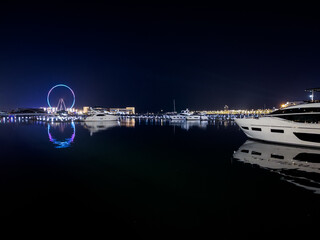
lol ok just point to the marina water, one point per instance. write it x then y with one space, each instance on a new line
151 178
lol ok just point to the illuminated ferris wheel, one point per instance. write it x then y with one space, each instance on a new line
61 104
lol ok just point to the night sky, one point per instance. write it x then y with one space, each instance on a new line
147 55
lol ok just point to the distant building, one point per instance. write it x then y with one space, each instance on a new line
28 111
126 110
85 110
226 108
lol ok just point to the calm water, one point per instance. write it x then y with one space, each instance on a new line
153 179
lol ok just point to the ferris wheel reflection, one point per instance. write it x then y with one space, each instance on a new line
61 142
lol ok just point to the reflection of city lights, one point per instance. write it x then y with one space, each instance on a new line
67 141
128 123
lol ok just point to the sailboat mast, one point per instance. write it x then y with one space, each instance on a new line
174 105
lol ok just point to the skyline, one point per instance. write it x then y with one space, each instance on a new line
145 56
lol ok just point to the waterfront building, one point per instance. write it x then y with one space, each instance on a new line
241 111
126 110
28 111
85 110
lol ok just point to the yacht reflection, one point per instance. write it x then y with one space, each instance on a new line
189 124
95 127
297 165
66 142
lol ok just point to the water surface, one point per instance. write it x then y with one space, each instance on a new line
153 179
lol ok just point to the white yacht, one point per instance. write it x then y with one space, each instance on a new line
193 117
297 165
180 117
298 124
98 117
190 116
204 117
177 117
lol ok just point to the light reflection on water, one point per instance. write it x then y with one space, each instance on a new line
65 142
187 125
184 179
297 165
95 127
128 123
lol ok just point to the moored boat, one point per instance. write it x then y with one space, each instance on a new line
98 117
297 124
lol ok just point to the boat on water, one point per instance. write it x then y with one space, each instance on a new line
177 117
100 117
297 165
297 124
189 116
180 116
186 115
204 117
197 117
193 118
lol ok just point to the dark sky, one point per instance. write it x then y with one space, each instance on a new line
203 56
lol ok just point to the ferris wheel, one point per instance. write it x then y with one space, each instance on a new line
61 101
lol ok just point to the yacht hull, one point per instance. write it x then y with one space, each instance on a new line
193 118
102 118
204 118
273 129
177 118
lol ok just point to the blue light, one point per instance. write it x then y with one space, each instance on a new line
61 85
62 144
